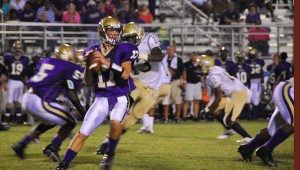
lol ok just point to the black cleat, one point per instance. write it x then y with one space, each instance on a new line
107 161
245 152
101 150
52 152
62 165
266 155
19 150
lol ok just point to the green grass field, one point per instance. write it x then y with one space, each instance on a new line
184 146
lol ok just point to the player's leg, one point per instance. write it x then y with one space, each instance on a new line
93 118
10 97
117 114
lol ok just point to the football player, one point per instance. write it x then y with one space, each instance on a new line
271 68
228 65
15 64
243 74
112 85
284 69
147 75
256 79
227 93
53 77
280 127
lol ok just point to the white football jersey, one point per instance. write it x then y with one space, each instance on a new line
219 77
151 77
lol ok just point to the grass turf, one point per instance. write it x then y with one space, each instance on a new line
184 146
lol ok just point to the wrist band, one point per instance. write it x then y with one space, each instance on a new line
93 66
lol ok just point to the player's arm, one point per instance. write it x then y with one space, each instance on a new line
122 71
217 99
72 96
155 55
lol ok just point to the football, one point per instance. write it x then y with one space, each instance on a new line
94 65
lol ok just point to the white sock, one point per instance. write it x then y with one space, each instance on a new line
151 122
145 121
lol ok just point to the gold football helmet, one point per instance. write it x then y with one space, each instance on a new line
66 52
109 23
239 57
133 32
17 49
252 52
206 63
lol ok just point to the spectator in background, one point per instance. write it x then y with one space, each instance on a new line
5 7
28 14
203 6
230 16
193 90
217 8
253 15
151 6
110 8
176 68
259 38
36 4
125 13
40 42
133 4
101 8
18 5
71 15
136 17
269 6
92 16
145 14
50 10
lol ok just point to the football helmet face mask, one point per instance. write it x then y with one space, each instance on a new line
239 56
66 52
110 30
223 53
133 32
79 55
206 63
252 52
17 49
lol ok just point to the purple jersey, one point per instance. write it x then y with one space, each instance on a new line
107 84
54 76
271 69
15 67
284 69
256 67
243 74
229 66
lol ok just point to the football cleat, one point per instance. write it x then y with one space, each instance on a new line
19 150
245 140
52 152
266 155
62 165
245 152
226 134
107 161
101 150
